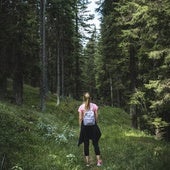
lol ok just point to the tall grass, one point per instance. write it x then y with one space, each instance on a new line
32 140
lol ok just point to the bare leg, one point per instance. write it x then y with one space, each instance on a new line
98 157
87 160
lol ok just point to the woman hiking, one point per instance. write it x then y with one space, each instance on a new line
89 130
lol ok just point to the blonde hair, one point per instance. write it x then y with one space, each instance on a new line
86 99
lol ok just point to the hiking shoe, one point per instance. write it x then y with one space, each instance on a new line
99 163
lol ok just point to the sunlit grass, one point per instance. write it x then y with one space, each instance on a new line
135 133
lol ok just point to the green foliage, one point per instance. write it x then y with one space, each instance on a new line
89 65
161 92
137 98
61 134
159 123
34 140
135 54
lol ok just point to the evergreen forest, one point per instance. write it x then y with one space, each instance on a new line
49 46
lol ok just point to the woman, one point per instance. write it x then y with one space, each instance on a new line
89 132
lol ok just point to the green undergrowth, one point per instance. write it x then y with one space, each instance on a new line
32 140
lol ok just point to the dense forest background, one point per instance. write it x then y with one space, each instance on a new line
126 64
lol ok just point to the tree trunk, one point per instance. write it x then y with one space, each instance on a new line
77 76
133 114
3 73
58 73
18 77
3 85
132 69
111 91
43 84
18 86
18 71
62 71
118 97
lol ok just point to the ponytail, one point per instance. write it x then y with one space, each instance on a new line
86 98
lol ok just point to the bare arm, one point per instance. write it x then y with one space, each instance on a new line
96 115
80 117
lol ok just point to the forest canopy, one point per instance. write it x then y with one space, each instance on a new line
126 65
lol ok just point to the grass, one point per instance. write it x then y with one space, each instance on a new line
32 140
